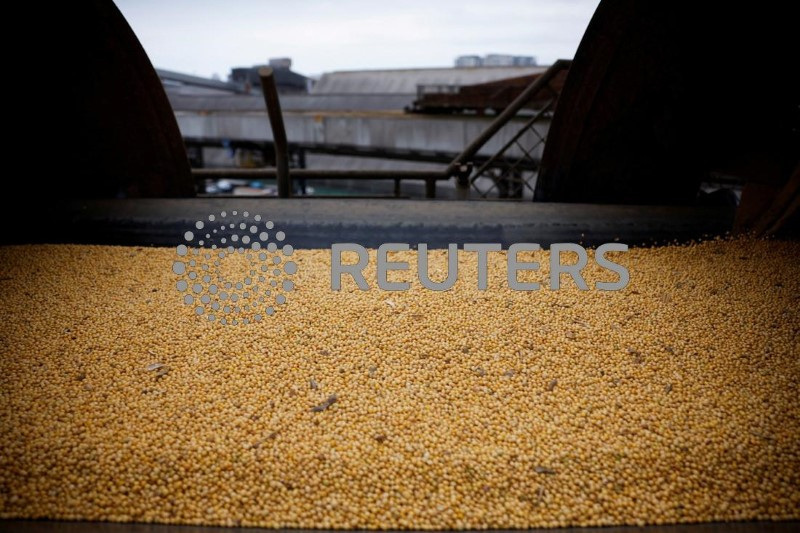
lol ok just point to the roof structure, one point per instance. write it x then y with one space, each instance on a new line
406 81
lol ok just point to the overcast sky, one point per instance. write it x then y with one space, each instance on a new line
206 37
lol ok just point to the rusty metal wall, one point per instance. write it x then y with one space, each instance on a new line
662 93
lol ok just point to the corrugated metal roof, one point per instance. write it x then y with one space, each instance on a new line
406 81
190 80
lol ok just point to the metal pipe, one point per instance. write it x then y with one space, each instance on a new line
378 152
508 113
316 174
278 130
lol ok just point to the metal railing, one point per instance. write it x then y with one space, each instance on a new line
508 175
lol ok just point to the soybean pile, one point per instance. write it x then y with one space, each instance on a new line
672 400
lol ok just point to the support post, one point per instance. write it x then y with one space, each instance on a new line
278 131
463 172
430 188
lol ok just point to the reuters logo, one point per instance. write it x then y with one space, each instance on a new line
234 268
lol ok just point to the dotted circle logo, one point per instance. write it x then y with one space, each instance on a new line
234 269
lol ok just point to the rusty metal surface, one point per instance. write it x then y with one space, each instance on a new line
114 130
494 95
663 93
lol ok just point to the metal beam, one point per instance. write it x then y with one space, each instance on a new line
376 152
314 174
278 130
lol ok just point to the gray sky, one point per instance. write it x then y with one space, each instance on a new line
206 37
